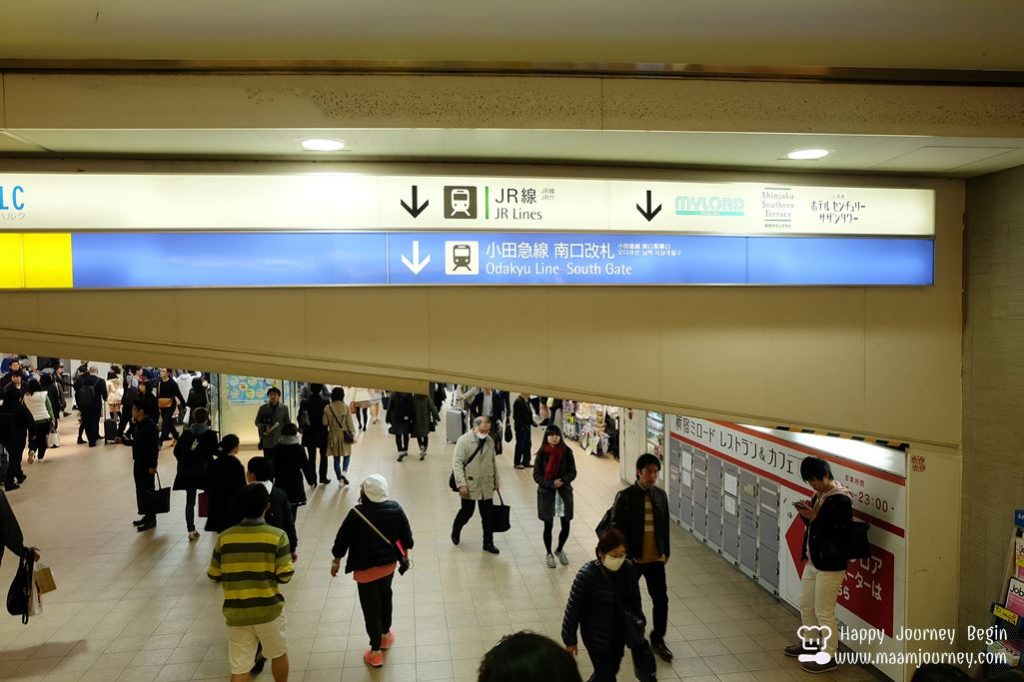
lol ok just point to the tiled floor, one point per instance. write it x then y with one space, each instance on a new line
139 608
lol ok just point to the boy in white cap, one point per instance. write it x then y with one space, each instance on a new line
373 534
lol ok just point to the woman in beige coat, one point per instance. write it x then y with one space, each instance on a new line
341 433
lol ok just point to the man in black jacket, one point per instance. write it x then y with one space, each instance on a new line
91 396
145 454
641 513
493 404
260 470
522 420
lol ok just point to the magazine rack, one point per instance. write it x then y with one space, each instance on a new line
1008 614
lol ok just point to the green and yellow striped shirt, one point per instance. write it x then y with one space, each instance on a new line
250 560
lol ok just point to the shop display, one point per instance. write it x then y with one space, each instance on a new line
594 426
656 434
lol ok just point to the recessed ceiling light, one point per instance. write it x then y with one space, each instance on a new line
323 145
807 154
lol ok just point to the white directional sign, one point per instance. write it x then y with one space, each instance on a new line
353 201
416 265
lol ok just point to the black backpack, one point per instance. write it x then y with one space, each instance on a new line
86 395
852 540
606 521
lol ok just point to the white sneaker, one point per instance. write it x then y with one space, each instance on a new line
550 560
31 456
193 536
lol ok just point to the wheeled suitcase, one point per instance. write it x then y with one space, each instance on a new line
109 430
455 424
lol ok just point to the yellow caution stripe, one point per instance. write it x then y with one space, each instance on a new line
37 260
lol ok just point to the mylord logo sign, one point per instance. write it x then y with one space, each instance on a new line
709 205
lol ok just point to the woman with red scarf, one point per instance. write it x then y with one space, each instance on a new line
554 469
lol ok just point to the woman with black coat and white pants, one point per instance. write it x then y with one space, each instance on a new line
825 515
372 560
605 595
554 470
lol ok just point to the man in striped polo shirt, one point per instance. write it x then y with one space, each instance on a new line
250 560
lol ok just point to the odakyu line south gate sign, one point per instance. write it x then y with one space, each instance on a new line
347 229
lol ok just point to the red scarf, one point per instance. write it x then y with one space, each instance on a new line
554 453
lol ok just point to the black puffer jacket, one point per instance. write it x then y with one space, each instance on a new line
364 547
592 607
822 534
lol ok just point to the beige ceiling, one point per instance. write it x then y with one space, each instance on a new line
964 34
945 156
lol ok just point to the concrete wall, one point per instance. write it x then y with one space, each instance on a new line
993 386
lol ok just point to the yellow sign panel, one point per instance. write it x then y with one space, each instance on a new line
1005 614
36 261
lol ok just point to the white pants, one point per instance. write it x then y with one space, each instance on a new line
818 593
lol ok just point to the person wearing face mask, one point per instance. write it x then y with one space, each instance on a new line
554 469
604 605
371 560
476 477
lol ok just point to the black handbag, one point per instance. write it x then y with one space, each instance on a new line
159 499
508 432
401 556
19 596
501 516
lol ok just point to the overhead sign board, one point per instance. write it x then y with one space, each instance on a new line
72 202
275 259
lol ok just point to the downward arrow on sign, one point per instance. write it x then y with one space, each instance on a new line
416 265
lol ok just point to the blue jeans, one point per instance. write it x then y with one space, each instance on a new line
338 470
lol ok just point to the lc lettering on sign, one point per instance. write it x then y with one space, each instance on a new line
12 198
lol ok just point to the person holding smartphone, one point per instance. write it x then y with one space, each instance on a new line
824 514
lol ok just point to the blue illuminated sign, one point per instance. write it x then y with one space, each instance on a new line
654 259
269 259
227 259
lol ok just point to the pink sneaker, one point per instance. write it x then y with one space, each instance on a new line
374 659
388 640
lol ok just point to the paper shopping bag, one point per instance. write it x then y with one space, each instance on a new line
43 578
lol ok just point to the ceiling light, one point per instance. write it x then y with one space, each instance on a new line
323 145
807 154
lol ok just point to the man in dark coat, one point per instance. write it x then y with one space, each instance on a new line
145 454
91 396
522 420
493 404
641 513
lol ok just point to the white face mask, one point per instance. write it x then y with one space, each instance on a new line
613 563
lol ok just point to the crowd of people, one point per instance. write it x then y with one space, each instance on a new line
253 509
